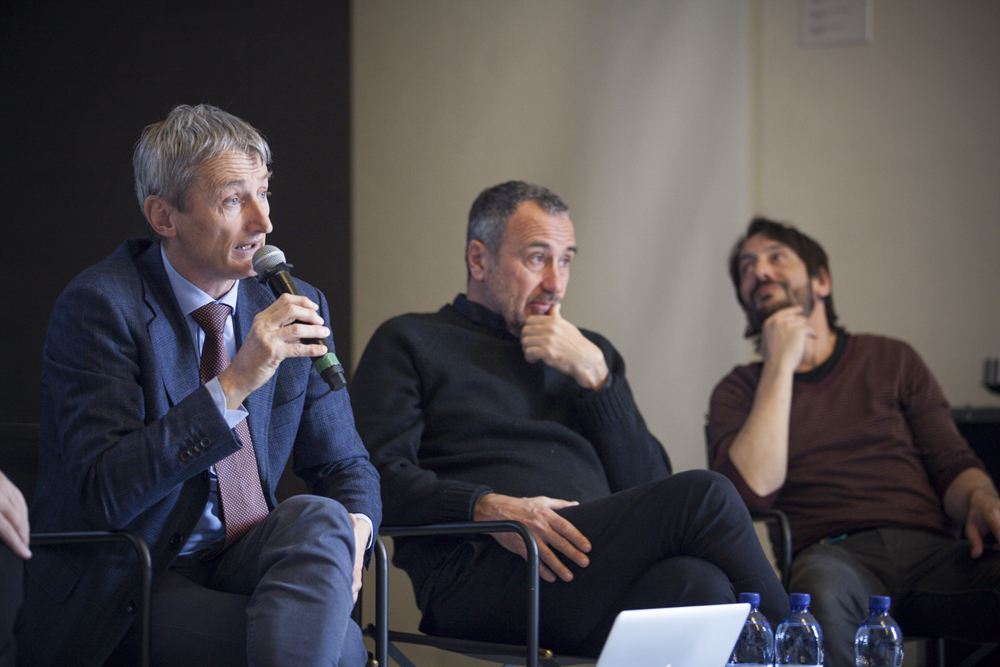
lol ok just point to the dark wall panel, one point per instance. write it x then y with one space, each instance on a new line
81 80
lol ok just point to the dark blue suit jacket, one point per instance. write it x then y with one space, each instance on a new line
127 436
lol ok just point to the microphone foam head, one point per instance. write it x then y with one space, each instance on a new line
266 259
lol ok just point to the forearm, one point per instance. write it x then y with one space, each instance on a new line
759 452
611 422
121 475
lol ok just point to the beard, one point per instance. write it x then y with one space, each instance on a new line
757 315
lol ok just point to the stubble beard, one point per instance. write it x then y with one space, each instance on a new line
804 297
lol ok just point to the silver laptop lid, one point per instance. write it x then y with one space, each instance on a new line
701 636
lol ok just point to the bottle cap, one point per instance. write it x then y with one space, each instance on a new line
752 598
799 599
879 602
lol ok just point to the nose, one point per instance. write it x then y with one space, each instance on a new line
257 216
762 270
554 279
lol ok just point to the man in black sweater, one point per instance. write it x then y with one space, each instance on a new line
497 408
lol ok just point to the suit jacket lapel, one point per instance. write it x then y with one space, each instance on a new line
167 329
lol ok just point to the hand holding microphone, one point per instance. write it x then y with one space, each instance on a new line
271 267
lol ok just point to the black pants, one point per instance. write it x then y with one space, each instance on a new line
11 596
684 540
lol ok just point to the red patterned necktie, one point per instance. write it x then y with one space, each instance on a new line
243 504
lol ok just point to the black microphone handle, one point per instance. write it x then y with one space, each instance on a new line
327 365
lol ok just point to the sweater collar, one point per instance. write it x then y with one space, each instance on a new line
481 315
821 371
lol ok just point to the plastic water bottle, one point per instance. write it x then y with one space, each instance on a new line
799 639
756 643
879 642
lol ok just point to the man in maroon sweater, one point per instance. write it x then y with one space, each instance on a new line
851 436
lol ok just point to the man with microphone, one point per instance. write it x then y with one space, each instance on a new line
496 407
175 389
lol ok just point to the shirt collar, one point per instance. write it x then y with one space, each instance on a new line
191 297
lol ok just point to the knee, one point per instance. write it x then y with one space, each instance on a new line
313 515
708 492
688 581
303 505
836 588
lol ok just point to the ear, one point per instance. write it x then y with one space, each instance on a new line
159 215
822 284
478 259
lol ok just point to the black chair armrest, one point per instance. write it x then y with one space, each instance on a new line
463 528
145 569
783 548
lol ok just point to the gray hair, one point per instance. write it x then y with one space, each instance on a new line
494 206
169 153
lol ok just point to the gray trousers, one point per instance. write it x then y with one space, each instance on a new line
280 595
937 588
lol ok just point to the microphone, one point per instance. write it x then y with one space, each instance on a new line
271 268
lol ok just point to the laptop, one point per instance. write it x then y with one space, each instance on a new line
702 636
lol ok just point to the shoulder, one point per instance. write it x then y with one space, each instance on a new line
881 348
414 328
117 277
741 380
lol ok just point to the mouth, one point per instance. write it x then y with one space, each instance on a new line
248 247
540 307
766 291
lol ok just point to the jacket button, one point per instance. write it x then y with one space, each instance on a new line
175 540
205 442
131 606
185 456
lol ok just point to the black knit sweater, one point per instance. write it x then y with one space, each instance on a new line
450 410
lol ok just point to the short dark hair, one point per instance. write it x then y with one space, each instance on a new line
494 206
808 250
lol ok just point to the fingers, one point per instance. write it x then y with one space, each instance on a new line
983 519
559 344
975 539
784 335
361 535
13 518
275 335
554 534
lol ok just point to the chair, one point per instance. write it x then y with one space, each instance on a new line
780 530
385 640
19 447
781 540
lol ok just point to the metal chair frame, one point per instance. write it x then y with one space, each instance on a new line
29 433
530 654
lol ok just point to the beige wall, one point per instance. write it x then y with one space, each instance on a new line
889 154
665 125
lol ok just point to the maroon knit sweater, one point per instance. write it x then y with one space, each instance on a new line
872 442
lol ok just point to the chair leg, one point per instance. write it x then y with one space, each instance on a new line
977 655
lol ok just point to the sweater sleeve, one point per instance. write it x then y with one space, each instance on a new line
611 421
386 392
944 452
728 410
